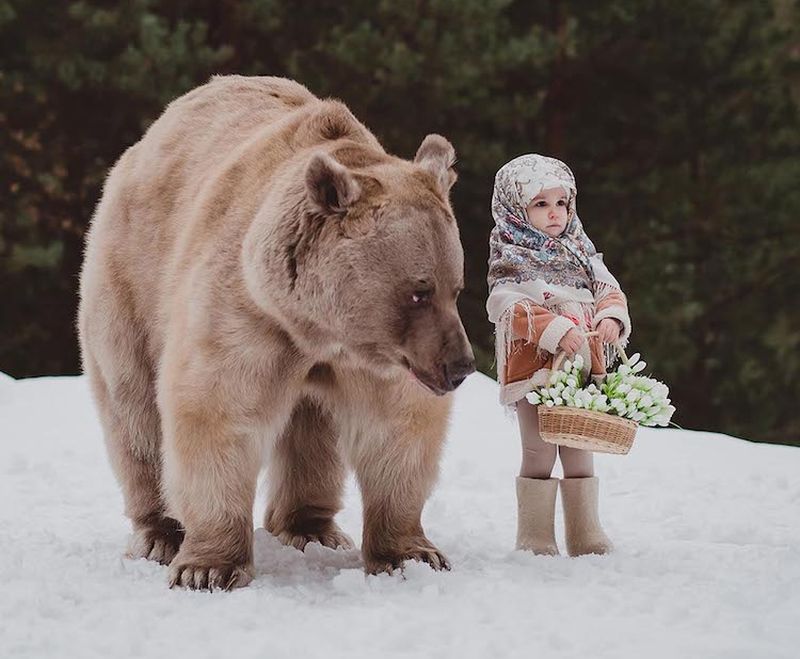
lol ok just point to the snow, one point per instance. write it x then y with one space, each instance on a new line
707 561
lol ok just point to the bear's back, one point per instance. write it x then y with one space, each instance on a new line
199 131
196 178
151 192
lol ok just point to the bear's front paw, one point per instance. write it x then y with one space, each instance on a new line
158 540
389 561
197 576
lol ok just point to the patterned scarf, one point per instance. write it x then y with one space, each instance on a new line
520 252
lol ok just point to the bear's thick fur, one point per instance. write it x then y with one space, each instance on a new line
263 283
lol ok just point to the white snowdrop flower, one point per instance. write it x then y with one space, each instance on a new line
621 392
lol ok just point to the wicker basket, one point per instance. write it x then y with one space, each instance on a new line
586 429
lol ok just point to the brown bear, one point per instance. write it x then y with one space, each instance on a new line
264 284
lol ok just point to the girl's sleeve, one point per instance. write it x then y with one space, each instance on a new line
535 324
610 301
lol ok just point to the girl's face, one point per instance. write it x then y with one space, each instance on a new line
548 211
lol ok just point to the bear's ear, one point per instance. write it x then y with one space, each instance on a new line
438 156
332 189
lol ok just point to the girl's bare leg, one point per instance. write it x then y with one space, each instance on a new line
576 463
538 457
536 491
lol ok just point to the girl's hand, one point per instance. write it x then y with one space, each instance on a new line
608 330
571 342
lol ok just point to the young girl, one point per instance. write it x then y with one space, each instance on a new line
548 288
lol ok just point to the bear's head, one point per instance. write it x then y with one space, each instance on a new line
363 257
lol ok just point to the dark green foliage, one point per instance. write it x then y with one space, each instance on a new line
79 83
680 121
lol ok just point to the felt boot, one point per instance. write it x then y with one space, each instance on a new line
581 519
536 504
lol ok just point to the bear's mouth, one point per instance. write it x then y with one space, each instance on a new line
423 379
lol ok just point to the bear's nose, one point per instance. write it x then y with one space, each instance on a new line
456 372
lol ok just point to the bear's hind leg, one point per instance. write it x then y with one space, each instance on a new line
131 428
306 481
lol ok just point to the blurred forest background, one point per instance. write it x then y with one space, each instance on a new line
679 119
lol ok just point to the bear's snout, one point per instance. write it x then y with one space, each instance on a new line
456 372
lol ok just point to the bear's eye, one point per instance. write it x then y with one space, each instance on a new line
421 297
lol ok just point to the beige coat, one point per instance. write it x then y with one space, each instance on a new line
538 331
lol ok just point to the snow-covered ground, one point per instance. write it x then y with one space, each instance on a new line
707 529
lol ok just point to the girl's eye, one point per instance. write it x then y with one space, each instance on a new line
541 203
561 202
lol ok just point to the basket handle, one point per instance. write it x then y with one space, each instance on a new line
559 359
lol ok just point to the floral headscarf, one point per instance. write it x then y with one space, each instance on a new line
517 250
